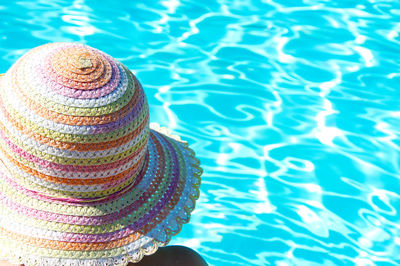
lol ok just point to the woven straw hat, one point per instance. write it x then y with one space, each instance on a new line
84 178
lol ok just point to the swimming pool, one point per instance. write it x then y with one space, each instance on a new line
292 107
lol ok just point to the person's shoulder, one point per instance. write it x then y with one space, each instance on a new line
173 255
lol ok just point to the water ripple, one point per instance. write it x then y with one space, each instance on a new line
292 107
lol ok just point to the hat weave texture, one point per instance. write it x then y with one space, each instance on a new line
84 178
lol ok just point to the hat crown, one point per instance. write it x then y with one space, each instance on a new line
74 123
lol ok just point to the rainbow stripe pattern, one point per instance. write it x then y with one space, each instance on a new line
85 179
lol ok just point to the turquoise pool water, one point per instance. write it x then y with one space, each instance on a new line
292 107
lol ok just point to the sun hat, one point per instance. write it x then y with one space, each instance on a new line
85 179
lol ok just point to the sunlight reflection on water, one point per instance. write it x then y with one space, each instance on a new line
292 108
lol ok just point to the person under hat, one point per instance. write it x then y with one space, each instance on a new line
165 256
85 179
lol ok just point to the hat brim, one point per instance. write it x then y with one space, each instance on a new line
41 232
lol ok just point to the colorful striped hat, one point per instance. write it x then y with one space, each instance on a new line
85 179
